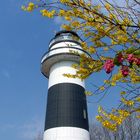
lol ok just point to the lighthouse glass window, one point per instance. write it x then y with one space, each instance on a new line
69 36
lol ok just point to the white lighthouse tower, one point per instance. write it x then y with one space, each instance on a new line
66 115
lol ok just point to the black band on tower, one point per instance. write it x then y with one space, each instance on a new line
66 106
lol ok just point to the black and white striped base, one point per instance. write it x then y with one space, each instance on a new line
66 115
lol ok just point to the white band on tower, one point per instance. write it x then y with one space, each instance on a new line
56 74
66 133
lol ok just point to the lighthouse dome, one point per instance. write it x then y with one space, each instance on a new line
65 36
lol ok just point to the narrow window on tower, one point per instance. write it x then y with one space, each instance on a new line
84 113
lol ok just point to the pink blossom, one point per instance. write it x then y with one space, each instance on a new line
137 61
108 66
130 58
125 70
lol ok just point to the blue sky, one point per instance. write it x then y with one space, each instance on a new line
24 39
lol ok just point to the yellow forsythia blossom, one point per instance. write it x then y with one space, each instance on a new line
68 18
100 109
127 102
88 93
99 118
106 81
123 113
61 12
75 23
47 13
30 7
109 125
123 92
102 88
66 27
107 6
113 83
64 1
91 50
138 99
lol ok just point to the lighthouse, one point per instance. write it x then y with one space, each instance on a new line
66 113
